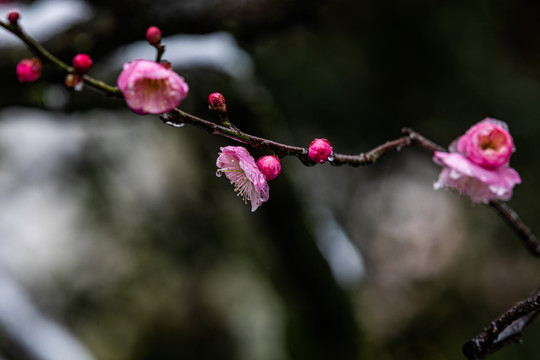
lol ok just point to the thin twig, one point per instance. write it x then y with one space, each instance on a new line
44 54
528 239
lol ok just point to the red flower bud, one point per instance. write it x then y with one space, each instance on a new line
166 64
269 166
72 81
29 70
82 63
320 150
153 35
216 101
13 16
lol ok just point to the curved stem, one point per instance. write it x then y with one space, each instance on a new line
528 239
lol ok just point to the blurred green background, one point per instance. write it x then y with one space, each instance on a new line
117 227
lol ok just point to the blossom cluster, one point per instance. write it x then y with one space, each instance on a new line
478 163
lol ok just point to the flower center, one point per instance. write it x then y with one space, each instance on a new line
494 140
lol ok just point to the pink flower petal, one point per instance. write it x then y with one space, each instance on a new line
480 184
240 168
150 88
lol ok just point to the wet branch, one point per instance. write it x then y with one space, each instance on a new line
507 329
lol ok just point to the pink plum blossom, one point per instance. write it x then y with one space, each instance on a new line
488 143
29 70
320 150
478 163
150 88
269 166
240 168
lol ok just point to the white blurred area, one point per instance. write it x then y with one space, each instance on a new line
44 18
40 336
218 51
46 238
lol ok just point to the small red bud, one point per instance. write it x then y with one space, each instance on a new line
320 150
269 166
29 70
82 63
72 80
13 16
153 35
216 101
166 64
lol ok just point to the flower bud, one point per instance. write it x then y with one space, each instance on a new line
320 150
166 64
216 101
13 17
153 35
29 70
82 63
269 166
72 81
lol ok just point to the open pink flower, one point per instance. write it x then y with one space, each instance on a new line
150 88
478 164
240 168
488 143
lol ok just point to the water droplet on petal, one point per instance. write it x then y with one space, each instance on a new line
219 173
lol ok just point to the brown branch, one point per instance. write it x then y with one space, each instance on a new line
507 329
528 239
44 54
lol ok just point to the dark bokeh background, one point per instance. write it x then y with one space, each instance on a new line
118 229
